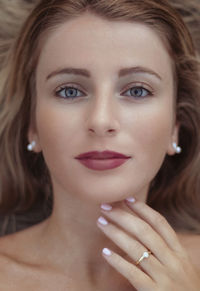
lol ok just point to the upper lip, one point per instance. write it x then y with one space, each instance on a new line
101 155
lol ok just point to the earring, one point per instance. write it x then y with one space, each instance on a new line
31 145
177 149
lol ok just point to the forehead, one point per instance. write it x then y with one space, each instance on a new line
92 42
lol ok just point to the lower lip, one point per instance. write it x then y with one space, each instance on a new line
101 165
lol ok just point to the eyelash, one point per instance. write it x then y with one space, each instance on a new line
138 87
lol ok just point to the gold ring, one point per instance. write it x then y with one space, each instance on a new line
146 254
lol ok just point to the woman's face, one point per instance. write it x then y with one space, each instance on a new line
122 102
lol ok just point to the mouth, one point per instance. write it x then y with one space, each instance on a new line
102 155
102 160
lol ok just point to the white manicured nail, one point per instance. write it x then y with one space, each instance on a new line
130 199
102 220
106 252
106 207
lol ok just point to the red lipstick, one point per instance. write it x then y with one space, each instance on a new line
105 160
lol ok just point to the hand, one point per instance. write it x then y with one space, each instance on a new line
167 268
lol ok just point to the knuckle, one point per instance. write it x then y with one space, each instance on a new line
143 229
182 254
128 218
176 268
134 248
118 238
159 219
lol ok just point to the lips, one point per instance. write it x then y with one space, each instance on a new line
102 155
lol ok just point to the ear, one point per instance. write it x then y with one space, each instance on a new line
174 138
33 136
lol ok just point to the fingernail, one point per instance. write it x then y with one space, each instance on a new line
130 199
106 252
106 207
102 220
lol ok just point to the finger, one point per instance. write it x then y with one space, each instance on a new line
143 232
158 223
137 278
134 249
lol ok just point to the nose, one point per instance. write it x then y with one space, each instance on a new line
102 117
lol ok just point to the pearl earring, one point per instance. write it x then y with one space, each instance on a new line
177 149
31 145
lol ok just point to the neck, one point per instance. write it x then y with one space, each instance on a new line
71 232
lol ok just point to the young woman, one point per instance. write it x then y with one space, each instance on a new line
100 110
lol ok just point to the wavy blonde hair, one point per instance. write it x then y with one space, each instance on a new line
12 17
25 179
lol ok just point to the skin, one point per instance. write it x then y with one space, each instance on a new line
69 243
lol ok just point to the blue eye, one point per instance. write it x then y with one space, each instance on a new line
68 92
138 92
71 92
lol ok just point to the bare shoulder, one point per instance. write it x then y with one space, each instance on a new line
24 266
15 264
9 267
17 245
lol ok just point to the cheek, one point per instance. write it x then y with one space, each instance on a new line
153 123
152 136
57 130
156 133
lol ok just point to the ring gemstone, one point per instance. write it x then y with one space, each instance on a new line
146 255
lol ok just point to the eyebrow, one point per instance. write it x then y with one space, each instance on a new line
123 72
